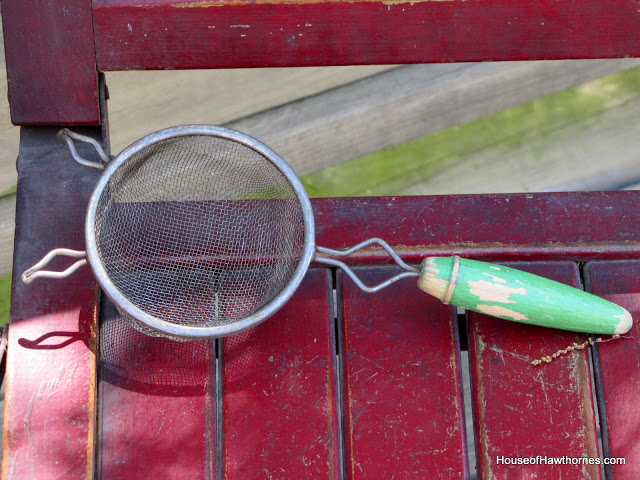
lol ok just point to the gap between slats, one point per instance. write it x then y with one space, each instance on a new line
338 372
593 398
335 301
336 308
428 310
597 397
281 426
615 367
466 384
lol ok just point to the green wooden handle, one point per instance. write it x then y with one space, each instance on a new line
511 294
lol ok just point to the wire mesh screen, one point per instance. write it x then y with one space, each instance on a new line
154 366
199 230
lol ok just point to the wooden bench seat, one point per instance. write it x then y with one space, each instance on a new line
338 384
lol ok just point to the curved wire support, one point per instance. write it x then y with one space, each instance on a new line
34 272
67 135
410 271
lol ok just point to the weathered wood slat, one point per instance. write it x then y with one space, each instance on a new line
403 408
526 411
157 404
279 415
594 152
617 368
164 34
49 426
407 102
489 227
51 65
187 96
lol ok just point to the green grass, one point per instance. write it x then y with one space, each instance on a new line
9 191
5 298
392 170
5 280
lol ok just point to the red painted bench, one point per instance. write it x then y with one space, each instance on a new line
339 383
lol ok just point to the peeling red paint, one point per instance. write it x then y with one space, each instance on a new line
524 411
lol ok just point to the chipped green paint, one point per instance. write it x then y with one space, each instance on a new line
512 294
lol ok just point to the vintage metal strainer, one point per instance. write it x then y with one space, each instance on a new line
199 231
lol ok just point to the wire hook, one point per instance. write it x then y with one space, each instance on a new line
67 135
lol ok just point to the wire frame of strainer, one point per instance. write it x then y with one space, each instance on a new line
198 231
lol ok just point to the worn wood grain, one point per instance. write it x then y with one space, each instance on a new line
617 367
526 411
161 34
490 227
403 408
49 424
50 59
407 102
591 153
279 397
157 404
145 101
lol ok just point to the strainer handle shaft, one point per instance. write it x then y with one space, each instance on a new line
68 136
410 271
34 272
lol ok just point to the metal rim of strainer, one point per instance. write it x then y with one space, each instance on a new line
185 331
